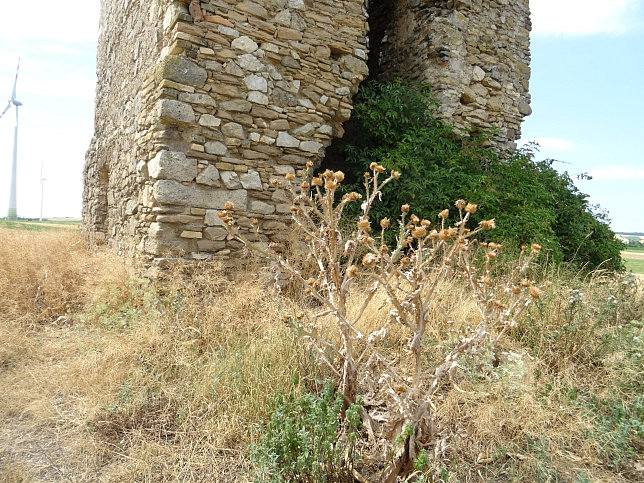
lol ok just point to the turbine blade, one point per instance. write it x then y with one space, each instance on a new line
15 83
6 109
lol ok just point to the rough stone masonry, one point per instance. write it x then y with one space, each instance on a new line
200 102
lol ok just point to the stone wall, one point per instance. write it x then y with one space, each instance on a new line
200 102
475 53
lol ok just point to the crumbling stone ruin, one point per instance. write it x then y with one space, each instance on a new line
200 102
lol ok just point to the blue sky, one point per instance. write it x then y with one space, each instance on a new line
586 86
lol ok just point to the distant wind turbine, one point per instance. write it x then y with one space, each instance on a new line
13 211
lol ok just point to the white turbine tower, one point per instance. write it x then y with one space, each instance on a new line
12 212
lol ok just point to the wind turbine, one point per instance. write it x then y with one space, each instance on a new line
12 212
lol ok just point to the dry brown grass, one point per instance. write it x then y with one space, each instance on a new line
108 377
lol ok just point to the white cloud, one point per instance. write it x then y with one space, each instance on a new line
616 173
583 17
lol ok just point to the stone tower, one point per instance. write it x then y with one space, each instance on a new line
200 102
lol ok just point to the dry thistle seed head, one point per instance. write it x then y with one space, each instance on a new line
364 225
460 204
498 304
255 222
222 214
353 196
286 318
384 223
444 234
535 293
309 164
425 223
305 185
491 254
311 282
330 184
308 291
414 219
228 205
516 290
487 280
535 248
444 214
395 174
383 249
369 260
484 244
289 176
227 220
339 176
294 209
352 271
434 234
404 208
419 232
488 224
525 283
471 208
367 175
405 261
273 182
317 181
380 169
410 240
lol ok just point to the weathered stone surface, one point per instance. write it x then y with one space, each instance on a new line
251 180
245 44
261 208
182 70
217 148
311 146
173 192
285 140
256 83
230 180
172 165
233 130
197 99
175 112
209 176
209 120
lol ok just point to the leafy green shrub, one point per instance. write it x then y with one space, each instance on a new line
530 200
300 441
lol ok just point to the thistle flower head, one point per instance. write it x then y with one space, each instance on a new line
460 204
369 260
414 219
289 176
444 214
535 293
305 185
339 176
488 224
317 181
395 174
309 164
352 271
384 223
404 208
229 206
471 208
425 223
419 232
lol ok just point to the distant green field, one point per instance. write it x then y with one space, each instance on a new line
35 225
635 266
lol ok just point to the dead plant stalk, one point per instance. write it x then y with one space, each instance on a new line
411 274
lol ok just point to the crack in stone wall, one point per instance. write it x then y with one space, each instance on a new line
203 102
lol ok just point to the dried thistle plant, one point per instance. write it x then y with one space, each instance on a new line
398 390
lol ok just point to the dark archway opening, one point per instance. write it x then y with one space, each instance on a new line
381 15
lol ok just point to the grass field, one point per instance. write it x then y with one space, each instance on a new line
634 261
107 376
36 225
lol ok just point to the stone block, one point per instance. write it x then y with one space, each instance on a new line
174 192
251 180
285 140
180 69
172 165
209 176
175 112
